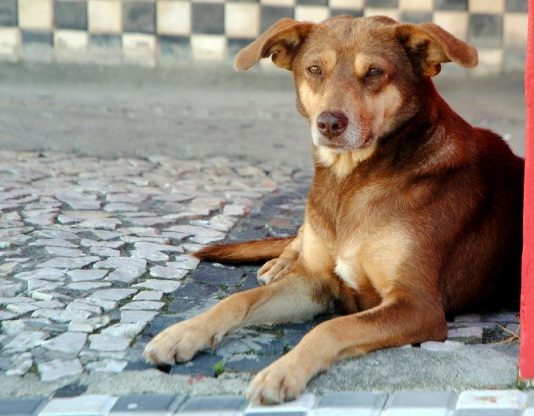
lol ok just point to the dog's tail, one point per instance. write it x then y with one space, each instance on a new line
245 252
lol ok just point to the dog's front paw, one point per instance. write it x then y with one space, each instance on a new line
274 269
177 343
279 382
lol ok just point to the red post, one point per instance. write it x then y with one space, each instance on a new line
526 354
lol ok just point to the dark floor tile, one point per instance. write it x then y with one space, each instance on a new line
70 14
139 16
36 37
208 18
485 30
8 13
450 4
382 3
517 6
416 17
346 12
271 14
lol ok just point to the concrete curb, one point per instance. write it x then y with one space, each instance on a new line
401 403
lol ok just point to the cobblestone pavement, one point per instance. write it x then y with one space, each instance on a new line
91 251
93 263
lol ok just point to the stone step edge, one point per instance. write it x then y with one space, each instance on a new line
468 402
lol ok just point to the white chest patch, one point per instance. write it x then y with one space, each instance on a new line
345 271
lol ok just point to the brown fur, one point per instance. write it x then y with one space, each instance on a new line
248 252
413 214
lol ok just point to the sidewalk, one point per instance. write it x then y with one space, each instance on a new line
94 234
94 263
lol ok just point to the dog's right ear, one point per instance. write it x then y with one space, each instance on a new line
281 40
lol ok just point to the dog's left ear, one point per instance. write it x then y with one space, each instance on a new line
281 40
430 46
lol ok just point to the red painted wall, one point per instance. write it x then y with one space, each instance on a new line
526 355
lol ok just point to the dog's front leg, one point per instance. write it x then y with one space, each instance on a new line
282 301
397 321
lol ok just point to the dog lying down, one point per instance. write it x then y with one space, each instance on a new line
413 214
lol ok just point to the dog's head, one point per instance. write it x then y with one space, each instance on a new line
357 79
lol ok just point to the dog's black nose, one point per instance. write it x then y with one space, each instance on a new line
332 123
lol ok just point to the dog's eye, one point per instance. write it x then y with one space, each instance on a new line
314 69
374 72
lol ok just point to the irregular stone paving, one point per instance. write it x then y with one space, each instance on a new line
94 262
91 250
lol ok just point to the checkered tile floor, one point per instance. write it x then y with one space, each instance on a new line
153 32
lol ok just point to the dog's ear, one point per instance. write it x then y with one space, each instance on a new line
281 40
430 46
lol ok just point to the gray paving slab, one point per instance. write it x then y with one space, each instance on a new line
301 406
487 402
420 403
85 405
21 406
355 403
59 369
220 405
147 405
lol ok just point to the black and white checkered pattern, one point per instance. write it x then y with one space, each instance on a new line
153 32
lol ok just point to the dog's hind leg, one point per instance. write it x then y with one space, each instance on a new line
297 297
281 266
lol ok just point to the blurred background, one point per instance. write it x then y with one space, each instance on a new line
137 77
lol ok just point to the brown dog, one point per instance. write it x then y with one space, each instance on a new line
413 213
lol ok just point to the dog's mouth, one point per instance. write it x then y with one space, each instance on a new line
340 146
344 145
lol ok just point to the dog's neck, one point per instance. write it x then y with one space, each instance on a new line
417 138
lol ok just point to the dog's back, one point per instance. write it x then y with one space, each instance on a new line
485 263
